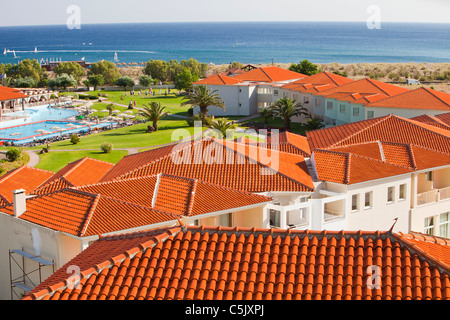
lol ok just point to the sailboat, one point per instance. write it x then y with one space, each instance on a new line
14 51
35 49
116 58
4 51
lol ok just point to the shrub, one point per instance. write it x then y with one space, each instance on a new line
106 147
13 154
74 138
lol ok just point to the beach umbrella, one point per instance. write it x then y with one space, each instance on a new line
45 132
128 111
116 111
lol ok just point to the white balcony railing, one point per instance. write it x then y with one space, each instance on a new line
330 215
433 195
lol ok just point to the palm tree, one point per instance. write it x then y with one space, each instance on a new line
223 125
287 108
203 98
153 112
267 114
313 124
110 108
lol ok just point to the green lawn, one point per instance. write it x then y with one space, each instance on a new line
56 160
172 101
127 137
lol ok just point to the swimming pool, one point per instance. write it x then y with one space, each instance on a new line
42 130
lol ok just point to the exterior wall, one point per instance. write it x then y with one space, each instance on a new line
402 112
420 213
381 214
239 100
336 117
249 218
17 234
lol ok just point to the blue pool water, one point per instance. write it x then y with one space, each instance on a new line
28 132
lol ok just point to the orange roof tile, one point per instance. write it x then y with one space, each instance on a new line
175 195
11 94
77 173
216 263
24 177
239 168
366 86
218 79
85 214
444 117
321 78
286 142
389 128
269 74
421 98
440 121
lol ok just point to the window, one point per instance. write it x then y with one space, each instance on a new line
402 192
368 200
370 114
317 102
355 202
342 108
429 176
429 225
356 112
275 92
305 99
329 105
444 225
225 220
274 216
390 194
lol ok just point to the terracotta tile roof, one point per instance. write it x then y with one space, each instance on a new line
441 121
11 94
349 168
269 74
421 98
366 86
287 142
216 263
85 214
390 128
24 177
175 195
240 168
218 79
77 173
321 78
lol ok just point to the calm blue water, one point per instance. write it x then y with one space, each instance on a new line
35 114
249 42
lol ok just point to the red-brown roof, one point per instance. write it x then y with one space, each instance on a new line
218 79
269 74
176 195
390 128
80 172
440 121
11 94
217 263
238 166
318 79
421 98
24 177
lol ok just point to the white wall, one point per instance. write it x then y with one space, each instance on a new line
402 112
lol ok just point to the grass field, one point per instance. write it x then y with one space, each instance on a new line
56 160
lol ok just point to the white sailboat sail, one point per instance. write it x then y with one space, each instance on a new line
4 51
35 49
116 58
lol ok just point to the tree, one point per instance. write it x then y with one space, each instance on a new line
305 67
96 80
87 84
223 126
124 82
153 112
203 98
287 108
63 81
185 79
30 68
157 69
72 69
267 114
313 124
145 80
27 82
107 69
110 108
13 154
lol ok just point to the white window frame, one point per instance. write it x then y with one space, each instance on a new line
445 223
370 193
342 108
355 197
370 114
429 226
392 188
355 108
329 105
400 196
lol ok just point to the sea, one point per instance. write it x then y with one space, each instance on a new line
225 42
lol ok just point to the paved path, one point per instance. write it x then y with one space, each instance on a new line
34 158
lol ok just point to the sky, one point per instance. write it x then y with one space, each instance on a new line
50 12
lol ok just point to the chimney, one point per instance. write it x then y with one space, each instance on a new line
19 202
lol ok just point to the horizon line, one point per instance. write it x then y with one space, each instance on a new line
225 21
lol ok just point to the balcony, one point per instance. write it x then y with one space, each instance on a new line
330 215
432 196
